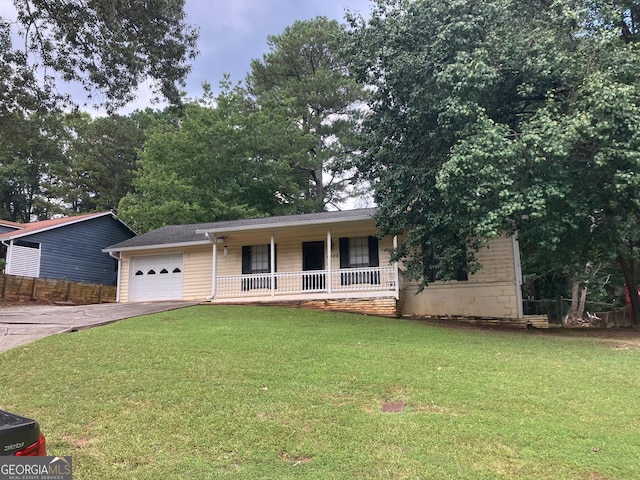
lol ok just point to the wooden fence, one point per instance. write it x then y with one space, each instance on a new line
17 288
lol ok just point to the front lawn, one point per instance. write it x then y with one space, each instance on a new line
257 393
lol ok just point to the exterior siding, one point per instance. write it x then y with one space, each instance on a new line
491 292
74 252
289 246
198 269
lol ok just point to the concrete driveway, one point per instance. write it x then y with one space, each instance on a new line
22 324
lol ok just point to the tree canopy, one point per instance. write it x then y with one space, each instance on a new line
109 47
492 117
304 78
213 162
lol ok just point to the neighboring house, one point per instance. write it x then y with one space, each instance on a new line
330 258
64 248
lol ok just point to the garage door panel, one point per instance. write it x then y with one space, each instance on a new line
156 277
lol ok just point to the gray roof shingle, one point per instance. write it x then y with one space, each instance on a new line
194 233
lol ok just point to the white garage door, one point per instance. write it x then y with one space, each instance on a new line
156 277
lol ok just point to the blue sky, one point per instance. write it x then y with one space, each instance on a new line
234 32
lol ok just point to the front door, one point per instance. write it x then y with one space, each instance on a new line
313 260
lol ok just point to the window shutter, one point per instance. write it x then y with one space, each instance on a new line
246 260
275 257
344 253
374 258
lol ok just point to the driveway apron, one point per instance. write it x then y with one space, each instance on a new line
22 324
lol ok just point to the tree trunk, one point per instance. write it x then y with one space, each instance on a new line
573 310
581 303
629 273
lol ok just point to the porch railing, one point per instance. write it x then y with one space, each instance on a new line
314 281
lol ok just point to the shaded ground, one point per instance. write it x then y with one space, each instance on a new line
618 337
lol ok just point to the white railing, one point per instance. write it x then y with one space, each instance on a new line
315 281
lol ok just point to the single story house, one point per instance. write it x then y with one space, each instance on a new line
67 248
331 259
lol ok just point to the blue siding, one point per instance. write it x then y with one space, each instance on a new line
74 252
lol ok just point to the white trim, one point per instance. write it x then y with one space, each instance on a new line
518 274
273 264
158 247
397 268
329 266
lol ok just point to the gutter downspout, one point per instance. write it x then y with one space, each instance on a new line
119 259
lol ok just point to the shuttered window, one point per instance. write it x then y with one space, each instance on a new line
359 252
257 259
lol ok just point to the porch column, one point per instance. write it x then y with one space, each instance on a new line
214 268
329 286
397 269
273 264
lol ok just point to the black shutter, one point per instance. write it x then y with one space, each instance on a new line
275 258
374 258
344 253
246 260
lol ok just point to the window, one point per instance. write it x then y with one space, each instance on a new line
256 259
359 252
429 264
260 259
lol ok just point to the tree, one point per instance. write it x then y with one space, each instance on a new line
512 116
436 70
213 163
109 47
29 148
101 155
577 156
305 79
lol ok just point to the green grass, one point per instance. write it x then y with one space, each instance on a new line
257 393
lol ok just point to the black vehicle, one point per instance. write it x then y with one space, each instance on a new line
20 436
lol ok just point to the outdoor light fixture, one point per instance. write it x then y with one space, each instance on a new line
225 251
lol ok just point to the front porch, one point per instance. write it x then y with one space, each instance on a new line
373 290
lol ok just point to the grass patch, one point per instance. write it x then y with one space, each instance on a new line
250 392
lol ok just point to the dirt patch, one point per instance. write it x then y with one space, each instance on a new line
617 337
24 303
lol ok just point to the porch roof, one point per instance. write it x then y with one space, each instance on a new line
196 234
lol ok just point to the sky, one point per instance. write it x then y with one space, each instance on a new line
234 32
